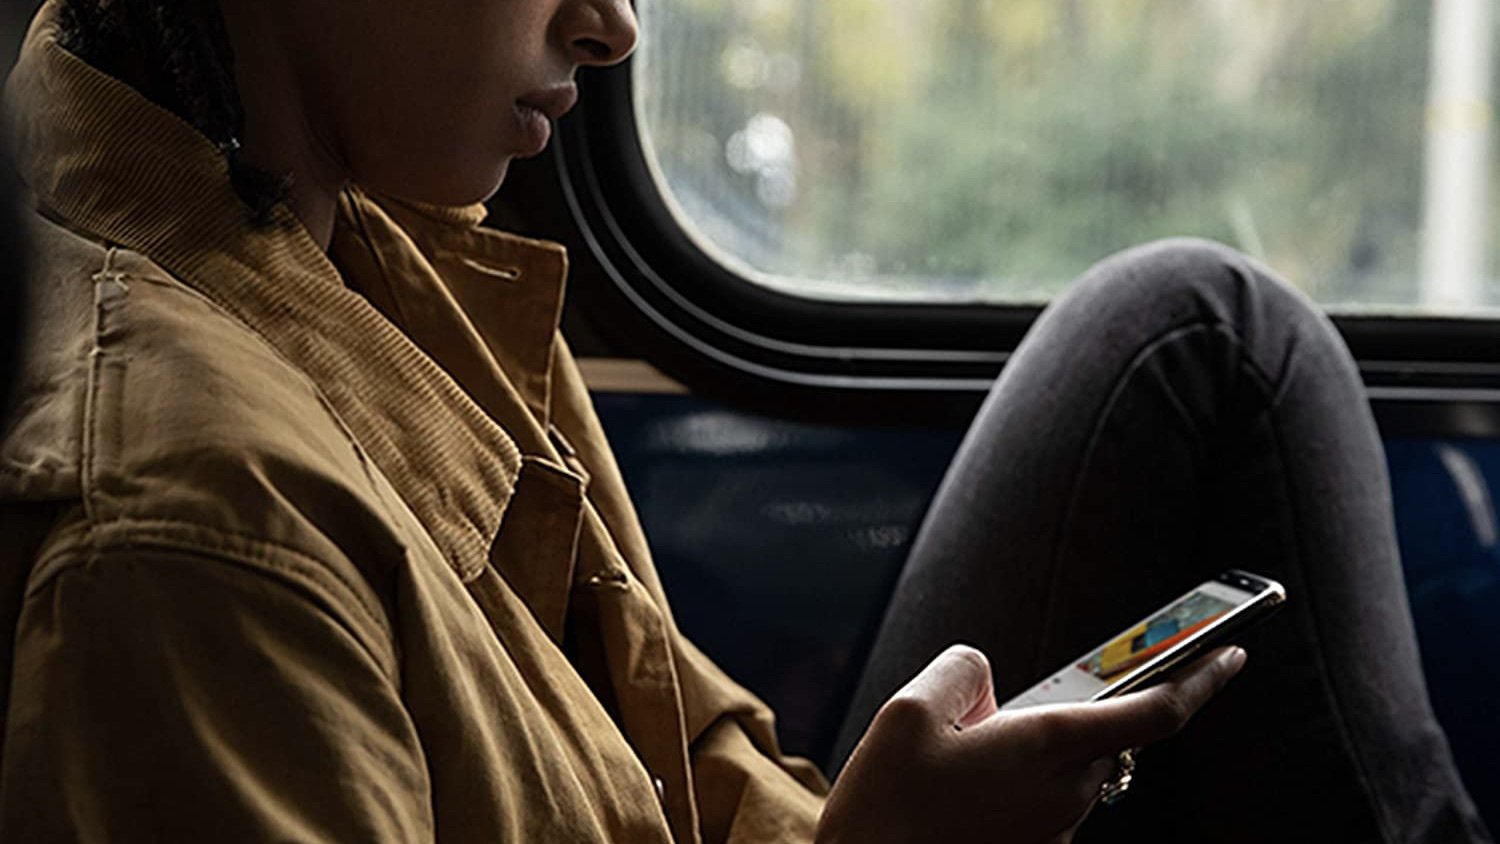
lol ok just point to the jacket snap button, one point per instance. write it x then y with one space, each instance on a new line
609 580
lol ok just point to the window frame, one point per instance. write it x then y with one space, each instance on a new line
695 317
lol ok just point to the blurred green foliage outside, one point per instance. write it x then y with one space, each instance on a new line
991 150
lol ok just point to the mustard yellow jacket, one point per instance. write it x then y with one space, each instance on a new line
325 547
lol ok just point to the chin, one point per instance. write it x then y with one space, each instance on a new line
449 188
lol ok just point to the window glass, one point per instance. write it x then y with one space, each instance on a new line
991 150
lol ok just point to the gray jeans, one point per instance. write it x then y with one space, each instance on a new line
1179 412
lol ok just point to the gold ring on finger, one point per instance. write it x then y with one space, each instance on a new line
1112 790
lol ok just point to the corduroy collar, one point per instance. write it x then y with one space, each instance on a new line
111 164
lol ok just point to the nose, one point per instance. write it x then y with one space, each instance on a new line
598 32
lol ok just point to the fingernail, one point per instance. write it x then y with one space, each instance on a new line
1235 659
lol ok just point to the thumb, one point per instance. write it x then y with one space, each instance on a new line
957 687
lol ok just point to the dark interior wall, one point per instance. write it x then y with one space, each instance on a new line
14 15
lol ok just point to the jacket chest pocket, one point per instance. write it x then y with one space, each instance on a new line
536 548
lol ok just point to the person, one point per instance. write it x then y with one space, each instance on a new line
318 537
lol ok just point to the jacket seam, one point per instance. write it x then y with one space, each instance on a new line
308 574
89 436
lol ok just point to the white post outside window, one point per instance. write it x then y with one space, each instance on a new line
1459 115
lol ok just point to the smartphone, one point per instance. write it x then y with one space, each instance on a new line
1203 619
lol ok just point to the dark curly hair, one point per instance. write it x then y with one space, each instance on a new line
177 53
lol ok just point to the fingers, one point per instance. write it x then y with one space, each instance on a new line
1141 718
1090 785
1095 776
1100 771
956 688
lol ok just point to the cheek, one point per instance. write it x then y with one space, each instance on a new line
421 105
448 149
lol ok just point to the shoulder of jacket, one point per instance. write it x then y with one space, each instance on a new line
125 365
156 409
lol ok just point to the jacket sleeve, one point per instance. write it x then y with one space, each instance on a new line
748 790
164 694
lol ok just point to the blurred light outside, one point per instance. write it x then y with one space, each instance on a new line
992 150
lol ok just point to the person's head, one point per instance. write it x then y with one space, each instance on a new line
420 99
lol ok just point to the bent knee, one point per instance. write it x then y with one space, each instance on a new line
1182 280
1192 256
1171 268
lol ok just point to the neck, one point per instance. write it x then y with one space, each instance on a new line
279 137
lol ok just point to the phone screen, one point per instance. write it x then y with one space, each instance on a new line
1113 661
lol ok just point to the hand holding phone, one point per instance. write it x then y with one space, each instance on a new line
942 762
1032 773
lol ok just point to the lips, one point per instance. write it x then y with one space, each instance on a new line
535 112
534 130
553 101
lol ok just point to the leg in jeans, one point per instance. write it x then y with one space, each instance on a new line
1176 413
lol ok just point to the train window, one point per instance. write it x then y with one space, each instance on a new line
987 151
